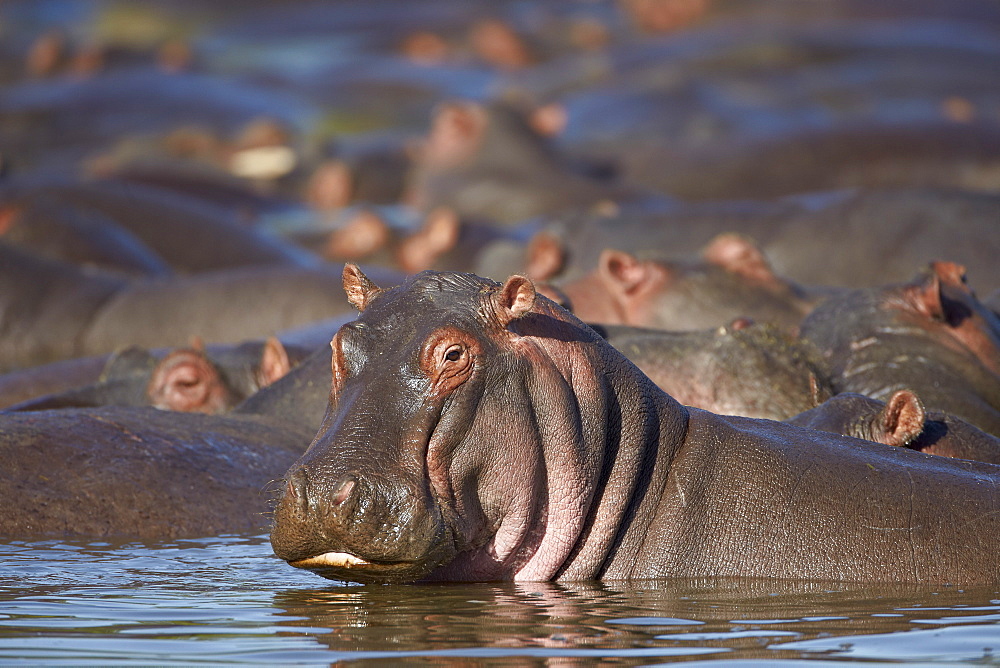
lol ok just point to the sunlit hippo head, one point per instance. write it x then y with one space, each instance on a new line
434 412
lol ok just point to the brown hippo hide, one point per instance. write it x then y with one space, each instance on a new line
901 421
477 431
930 335
138 472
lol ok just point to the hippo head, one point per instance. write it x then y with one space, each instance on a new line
449 428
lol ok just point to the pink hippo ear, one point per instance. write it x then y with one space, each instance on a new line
456 133
360 291
546 256
622 272
738 254
330 187
274 363
902 419
549 120
514 299
186 380
438 235
926 294
364 234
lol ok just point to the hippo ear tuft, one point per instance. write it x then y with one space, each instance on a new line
360 291
515 298
902 419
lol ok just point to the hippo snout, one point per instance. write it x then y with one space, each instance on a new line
352 526
341 494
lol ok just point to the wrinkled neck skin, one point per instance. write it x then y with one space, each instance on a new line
565 447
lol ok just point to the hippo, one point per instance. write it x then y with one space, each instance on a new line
743 368
487 161
51 310
731 279
139 472
901 421
931 335
81 237
188 234
889 231
189 379
477 431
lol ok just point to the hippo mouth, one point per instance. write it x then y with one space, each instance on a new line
346 566
330 559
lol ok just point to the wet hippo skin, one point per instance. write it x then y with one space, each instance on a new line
138 472
477 431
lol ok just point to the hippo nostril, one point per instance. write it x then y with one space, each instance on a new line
343 489
295 488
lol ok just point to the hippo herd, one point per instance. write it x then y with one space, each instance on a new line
650 289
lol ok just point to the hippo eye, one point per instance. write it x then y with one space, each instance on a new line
454 354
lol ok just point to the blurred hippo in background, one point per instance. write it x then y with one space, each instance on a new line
187 234
133 472
747 369
489 162
731 279
930 335
475 380
51 310
837 238
188 379
904 422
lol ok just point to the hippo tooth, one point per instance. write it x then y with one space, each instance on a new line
341 559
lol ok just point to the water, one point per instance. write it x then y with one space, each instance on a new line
229 600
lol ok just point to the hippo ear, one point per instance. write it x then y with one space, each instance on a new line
622 271
360 291
330 187
927 292
363 235
514 299
740 255
8 216
186 380
546 256
549 120
456 133
438 235
274 363
902 419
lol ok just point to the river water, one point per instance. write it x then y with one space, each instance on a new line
230 600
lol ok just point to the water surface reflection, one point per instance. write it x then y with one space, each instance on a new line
228 599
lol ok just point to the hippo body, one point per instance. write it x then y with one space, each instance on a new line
182 379
51 310
889 232
188 234
901 421
83 238
749 370
480 432
488 162
138 472
930 335
731 279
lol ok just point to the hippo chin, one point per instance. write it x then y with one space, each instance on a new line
478 431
